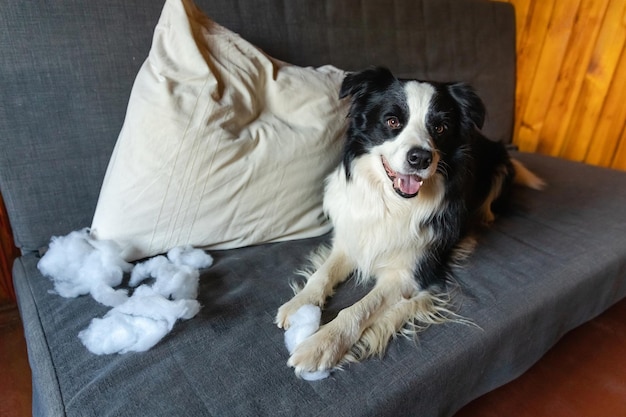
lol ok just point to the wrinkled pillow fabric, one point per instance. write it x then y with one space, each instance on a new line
222 145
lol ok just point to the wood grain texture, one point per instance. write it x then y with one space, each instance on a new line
571 79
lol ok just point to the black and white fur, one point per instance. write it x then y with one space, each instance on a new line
417 176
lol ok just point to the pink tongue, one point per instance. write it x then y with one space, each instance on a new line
408 184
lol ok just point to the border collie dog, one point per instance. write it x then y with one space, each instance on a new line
417 176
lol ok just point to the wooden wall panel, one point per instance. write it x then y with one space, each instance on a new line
611 120
571 87
619 160
571 76
547 71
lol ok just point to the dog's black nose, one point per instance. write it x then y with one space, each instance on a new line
419 158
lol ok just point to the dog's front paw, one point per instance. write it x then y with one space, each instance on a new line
290 307
320 352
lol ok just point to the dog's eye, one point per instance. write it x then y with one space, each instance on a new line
439 129
393 122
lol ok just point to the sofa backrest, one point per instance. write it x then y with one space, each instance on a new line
68 66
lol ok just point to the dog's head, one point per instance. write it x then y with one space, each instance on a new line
416 128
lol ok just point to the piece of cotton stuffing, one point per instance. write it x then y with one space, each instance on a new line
151 312
187 255
302 324
138 324
175 281
79 264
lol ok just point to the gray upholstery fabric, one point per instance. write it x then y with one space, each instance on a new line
557 259
68 67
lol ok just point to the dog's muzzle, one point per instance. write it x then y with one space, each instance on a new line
406 185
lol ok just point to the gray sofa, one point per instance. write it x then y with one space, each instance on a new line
554 261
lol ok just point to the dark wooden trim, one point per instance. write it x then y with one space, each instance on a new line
8 253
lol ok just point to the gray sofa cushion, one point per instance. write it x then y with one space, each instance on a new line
557 259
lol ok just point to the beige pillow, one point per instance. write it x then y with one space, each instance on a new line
222 146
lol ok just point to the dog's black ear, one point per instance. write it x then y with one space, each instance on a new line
471 105
356 83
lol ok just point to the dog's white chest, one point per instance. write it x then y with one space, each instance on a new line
372 224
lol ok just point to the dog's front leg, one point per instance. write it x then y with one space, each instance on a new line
335 269
326 348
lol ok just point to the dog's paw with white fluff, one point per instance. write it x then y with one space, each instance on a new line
289 311
322 351
304 323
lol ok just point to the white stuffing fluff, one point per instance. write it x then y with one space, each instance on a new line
138 324
79 264
177 275
187 255
303 323
177 282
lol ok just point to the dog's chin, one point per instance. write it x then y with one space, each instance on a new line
405 185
